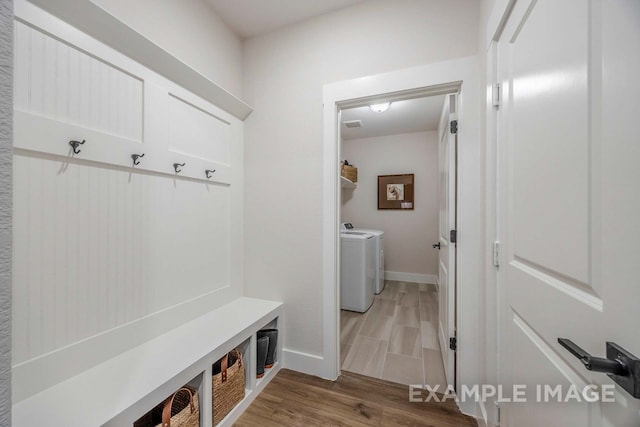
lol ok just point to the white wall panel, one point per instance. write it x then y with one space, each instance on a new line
97 248
196 132
64 83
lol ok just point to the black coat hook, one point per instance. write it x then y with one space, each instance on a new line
75 145
177 167
209 172
135 158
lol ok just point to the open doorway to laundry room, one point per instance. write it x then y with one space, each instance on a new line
397 260
458 76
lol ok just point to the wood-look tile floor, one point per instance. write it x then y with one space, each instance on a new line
397 338
295 399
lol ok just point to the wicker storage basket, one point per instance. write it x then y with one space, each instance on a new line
227 384
350 173
178 410
189 416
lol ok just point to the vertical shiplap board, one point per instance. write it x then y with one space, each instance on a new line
50 71
21 232
21 39
73 95
35 85
61 81
61 272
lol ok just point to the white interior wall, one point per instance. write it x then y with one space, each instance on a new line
6 186
284 73
409 234
191 31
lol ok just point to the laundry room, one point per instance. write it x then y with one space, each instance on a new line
390 185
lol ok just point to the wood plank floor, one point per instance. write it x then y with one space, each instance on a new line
295 399
397 338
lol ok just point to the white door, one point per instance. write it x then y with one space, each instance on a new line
447 253
569 185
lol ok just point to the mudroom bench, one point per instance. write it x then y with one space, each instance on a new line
122 389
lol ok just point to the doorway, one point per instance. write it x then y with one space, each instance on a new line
398 187
434 79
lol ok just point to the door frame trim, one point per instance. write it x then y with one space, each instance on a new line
416 82
495 25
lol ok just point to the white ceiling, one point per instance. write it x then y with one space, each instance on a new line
413 115
248 18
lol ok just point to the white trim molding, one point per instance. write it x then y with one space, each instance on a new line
399 276
303 362
498 17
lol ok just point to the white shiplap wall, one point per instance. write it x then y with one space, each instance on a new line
61 82
98 247
107 256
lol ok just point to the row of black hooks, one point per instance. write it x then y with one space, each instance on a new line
136 159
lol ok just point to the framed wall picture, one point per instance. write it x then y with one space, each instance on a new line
395 191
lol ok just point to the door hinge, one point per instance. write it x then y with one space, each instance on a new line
453 236
453 343
496 253
454 126
496 95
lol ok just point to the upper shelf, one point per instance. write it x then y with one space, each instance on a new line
103 26
345 183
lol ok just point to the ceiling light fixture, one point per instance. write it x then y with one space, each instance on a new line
380 108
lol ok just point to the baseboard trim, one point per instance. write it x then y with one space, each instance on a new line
306 363
411 277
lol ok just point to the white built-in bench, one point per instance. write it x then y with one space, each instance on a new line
120 390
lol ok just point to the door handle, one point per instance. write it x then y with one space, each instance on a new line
596 364
620 365
436 246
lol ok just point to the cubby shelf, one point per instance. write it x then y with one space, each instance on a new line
345 183
120 390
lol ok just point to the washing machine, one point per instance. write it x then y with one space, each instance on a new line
357 271
379 250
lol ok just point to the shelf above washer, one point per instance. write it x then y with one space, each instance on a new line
345 183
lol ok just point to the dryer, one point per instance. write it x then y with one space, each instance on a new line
379 250
357 271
